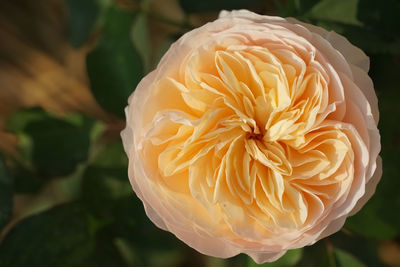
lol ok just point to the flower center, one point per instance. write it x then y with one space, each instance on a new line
255 136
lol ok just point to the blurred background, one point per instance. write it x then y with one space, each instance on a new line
67 68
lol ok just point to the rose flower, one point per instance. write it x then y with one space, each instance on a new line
255 134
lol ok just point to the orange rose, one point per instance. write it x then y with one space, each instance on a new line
255 134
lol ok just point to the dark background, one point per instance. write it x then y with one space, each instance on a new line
66 71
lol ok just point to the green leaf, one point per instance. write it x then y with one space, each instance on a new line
303 6
82 16
344 259
112 156
312 256
370 25
108 194
102 185
382 17
120 216
106 178
106 254
51 145
344 11
339 258
61 236
144 242
6 195
114 66
340 250
367 221
25 179
290 258
365 250
141 39
58 145
58 237
294 8
106 181
190 6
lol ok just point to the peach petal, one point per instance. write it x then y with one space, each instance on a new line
353 55
370 187
255 134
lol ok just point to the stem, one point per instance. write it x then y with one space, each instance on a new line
329 251
169 21
144 7
347 231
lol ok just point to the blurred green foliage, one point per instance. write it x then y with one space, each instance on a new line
6 194
50 145
82 18
114 65
103 223
190 6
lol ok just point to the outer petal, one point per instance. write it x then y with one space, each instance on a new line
370 187
261 257
353 54
203 243
365 84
